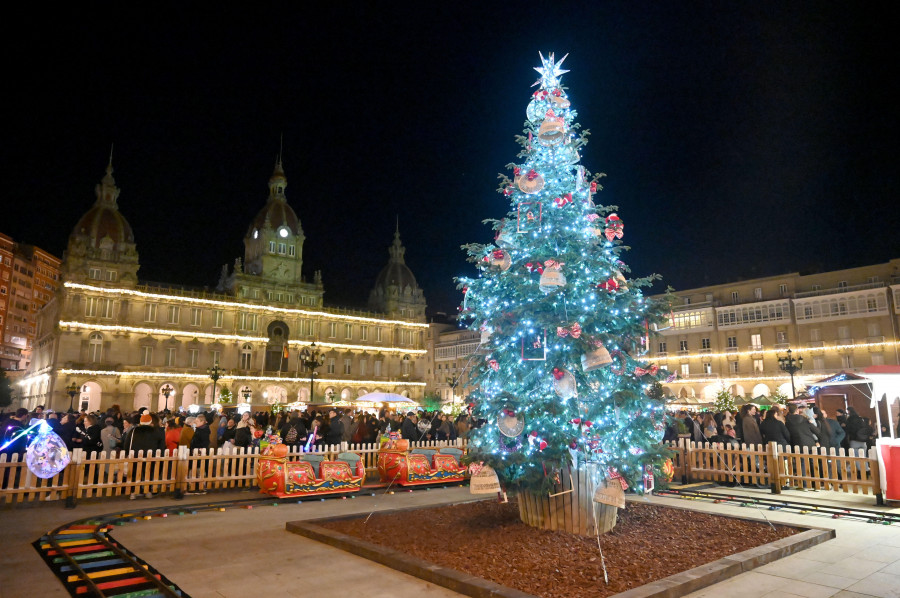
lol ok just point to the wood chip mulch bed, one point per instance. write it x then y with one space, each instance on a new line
488 540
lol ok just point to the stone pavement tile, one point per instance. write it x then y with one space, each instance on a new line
834 551
826 579
893 568
806 589
792 567
880 553
852 567
879 584
848 594
745 585
780 594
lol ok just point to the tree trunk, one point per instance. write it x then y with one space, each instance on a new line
573 510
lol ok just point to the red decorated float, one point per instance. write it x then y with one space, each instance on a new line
398 465
279 477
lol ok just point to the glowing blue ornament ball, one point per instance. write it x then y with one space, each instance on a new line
46 454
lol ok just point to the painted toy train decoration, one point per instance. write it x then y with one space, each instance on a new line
313 475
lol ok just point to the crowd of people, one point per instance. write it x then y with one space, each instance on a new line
791 425
113 433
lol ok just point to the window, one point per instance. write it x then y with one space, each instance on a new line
662 347
758 366
732 342
843 332
782 290
815 334
847 362
282 248
807 311
682 346
781 337
348 331
193 357
247 321
872 279
842 284
170 356
877 358
106 308
378 334
150 312
246 356
332 329
735 296
146 355
173 314
819 362
111 275
756 341
347 364
362 367
871 304
94 273
687 300
217 318
734 367
377 371
271 246
707 367
329 365
757 293
91 306
873 329
685 370
196 316
95 347
216 356
363 333
292 251
704 343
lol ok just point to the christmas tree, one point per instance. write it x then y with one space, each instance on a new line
563 386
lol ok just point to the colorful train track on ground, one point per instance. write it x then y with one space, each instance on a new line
92 564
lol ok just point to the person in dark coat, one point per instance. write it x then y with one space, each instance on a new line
408 428
803 432
297 437
143 437
773 429
14 437
335 432
200 439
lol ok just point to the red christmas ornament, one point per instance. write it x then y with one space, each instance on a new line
558 373
561 201
535 267
532 174
517 171
593 187
576 421
614 227
542 445
611 285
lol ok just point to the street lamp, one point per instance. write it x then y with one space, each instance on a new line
166 392
311 358
72 390
791 366
215 372
246 394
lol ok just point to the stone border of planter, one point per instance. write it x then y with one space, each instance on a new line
673 586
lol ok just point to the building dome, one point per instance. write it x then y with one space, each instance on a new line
103 220
276 213
396 290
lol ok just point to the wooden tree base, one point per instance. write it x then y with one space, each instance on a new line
572 510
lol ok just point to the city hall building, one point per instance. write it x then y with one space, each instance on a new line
104 338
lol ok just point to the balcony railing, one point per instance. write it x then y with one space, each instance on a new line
836 290
756 348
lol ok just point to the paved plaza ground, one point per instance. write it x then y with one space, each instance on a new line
239 552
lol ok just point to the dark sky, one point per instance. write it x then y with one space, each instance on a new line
739 139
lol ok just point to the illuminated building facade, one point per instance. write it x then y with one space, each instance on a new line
732 335
29 277
121 342
452 353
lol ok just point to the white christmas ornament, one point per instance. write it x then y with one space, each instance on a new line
564 383
596 359
531 185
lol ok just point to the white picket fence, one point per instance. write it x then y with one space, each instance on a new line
102 476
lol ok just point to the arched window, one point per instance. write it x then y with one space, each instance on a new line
95 347
246 356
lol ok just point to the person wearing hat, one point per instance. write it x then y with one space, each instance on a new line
143 437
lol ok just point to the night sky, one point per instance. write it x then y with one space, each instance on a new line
739 139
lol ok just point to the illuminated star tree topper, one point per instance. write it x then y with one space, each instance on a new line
550 71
